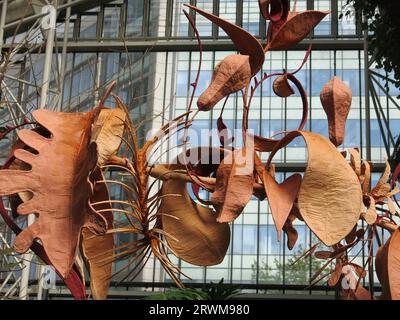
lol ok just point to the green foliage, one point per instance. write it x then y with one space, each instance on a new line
4 265
298 273
221 291
383 25
179 294
212 291
6 252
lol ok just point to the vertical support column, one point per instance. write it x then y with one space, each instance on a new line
367 101
215 30
3 23
368 138
335 19
49 26
63 62
98 77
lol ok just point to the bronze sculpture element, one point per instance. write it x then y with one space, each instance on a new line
62 171
336 99
58 181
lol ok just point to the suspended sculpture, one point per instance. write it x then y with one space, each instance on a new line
62 170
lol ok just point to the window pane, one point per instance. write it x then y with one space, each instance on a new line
251 14
158 15
111 22
88 26
227 11
134 18
324 27
347 25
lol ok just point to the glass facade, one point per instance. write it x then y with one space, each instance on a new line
157 81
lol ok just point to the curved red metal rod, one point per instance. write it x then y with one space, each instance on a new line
194 85
299 87
304 59
196 82
12 128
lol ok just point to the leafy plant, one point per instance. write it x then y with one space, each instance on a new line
179 294
5 265
221 291
295 273
383 25
212 291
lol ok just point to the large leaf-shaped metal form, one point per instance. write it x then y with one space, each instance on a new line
388 267
336 99
244 42
232 74
96 248
281 197
235 71
191 229
234 184
329 199
107 132
382 188
295 29
282 87
58 180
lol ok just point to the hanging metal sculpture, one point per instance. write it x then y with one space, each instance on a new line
62 170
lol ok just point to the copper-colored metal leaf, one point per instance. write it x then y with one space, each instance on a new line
191 229
97 248
336 275
232 74
370 215
382 188
223 133
336 99
107 131
291 232
355 161
323 254
234 185
245 42
365 175
281 197
58 181
359 294
387 265
391 206
295 29
360 271
330 195
235 71
282 87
